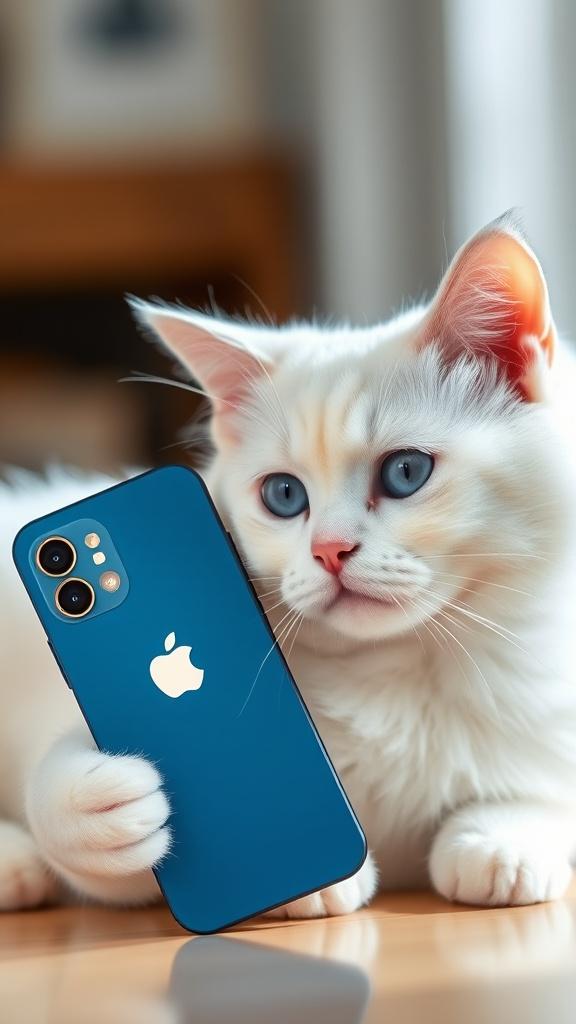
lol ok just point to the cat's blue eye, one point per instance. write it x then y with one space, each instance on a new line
284 495
405 472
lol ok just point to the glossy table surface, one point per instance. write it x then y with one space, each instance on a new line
407 958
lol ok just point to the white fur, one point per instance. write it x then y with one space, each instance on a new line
451 718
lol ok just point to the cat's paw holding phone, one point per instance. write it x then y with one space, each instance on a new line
342 898
99 820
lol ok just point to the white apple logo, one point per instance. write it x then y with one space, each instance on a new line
173 672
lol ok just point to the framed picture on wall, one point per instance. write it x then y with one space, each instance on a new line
102 76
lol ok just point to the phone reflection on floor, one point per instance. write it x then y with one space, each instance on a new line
220 981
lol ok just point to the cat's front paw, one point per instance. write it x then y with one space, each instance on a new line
342 898
25 880
94 814
474 868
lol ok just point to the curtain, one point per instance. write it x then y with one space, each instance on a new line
426 119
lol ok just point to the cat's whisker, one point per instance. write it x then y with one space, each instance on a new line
275 427
500 631
282 633
187 442
488 583
262 423
295 637
276 628
259 299
280 428
270 593
146 378
283 637
411 624
277 638
485 682
274 606
384 396
278 413
295 622
432 611
442 644
427 623
489 554
264 368
471 590
441 640
455 622
465 609
311 592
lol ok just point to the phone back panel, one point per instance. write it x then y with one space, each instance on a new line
258 815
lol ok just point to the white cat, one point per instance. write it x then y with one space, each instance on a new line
405 497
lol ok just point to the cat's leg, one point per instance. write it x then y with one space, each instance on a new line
25 880
341 898
99 820
504 854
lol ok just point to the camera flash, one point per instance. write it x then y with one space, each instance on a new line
110 581
99 558
91 540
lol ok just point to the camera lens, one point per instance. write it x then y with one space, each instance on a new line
56 556
74 598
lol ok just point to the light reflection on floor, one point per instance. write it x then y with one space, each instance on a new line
409 958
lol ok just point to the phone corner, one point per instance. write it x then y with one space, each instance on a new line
19 545
358 856
179 475
195 929
364 853
177 469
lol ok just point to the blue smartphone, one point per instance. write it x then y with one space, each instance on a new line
157 630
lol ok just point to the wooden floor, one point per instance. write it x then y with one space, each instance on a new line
407 958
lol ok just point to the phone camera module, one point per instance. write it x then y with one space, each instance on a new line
74 598
56 556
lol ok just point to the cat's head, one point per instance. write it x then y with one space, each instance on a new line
376 477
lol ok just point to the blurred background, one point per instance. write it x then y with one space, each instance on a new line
269 157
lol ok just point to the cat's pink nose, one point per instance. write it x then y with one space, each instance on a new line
332 553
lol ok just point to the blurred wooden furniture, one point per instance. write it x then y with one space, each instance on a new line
76 238
105 225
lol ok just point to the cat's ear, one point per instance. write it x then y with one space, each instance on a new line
493 301
225 357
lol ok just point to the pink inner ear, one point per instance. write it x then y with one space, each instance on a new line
494 302
226 373
224 369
